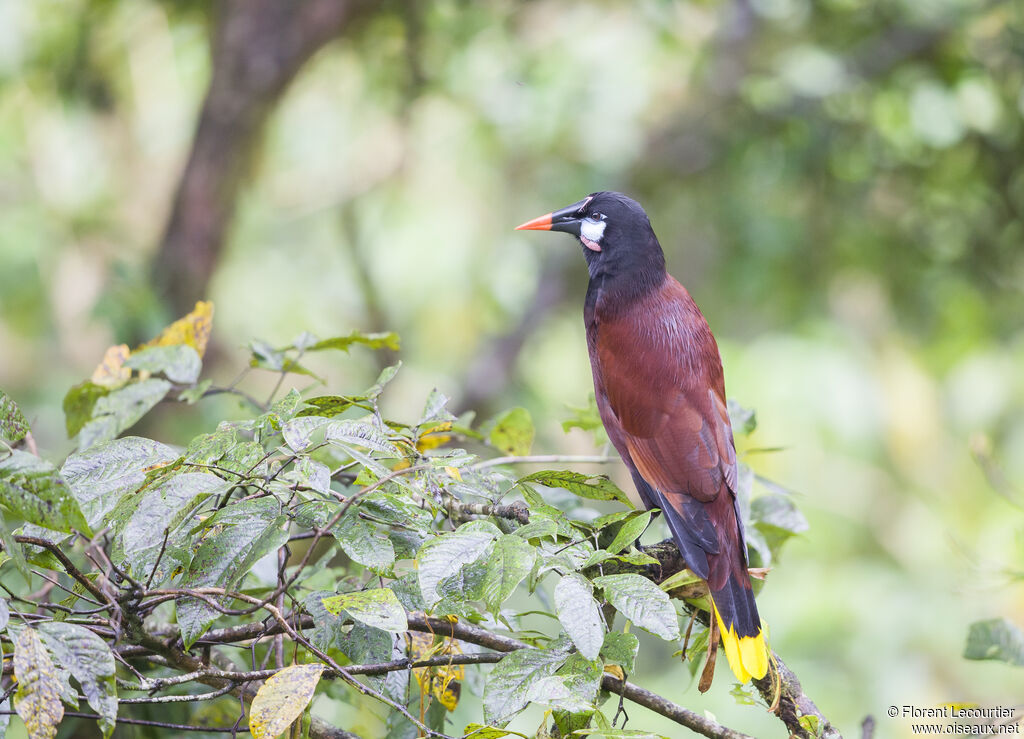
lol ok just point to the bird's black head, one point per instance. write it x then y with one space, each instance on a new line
615 232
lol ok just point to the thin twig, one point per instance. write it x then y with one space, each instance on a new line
68 565
545 459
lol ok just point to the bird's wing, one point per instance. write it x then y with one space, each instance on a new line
659 386
662 379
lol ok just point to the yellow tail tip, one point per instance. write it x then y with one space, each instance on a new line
747 655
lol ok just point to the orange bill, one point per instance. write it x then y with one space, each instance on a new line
541 223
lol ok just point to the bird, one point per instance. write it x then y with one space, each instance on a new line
660 391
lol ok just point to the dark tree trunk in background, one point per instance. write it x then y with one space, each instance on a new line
258 47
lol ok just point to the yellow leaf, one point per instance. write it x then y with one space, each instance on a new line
111 372
38 698
441 681
193 330
615 671
421 645
435 436
453 472
447 692
282 699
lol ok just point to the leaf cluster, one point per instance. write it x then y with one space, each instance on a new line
342 532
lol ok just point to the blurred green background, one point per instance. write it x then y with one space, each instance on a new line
838 183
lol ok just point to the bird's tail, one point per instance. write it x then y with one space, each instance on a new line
740 628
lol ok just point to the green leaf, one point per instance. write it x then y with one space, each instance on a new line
91 662
102 475
630 531
32 488
996 639
264 356
241 535
386 375
568 723
282 699
445 555
637 558
38 698
396 510
642 602
512 432
377 607
434 409
328 629
297 433
120 410
594 487
573 688
194 394
13 426
810 724
579 614
779 512
479 731
328 406
563 556
620 649
743 420
79 403
161 508
539 529
360 434
15 551
360 541
285 409
777 518
587 418
599 556
210 448
697 648
407 590
508 565
387 340
745 697
179 363
679 580
507 689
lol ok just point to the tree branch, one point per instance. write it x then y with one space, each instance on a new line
668 709
258 48
180 660
792 701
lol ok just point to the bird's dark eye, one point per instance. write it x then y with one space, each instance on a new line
597 216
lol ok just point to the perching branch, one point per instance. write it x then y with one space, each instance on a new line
782 685
780 688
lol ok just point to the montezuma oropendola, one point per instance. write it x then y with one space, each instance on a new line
661 394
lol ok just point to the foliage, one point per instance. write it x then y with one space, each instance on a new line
997 639
354 538
837 183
